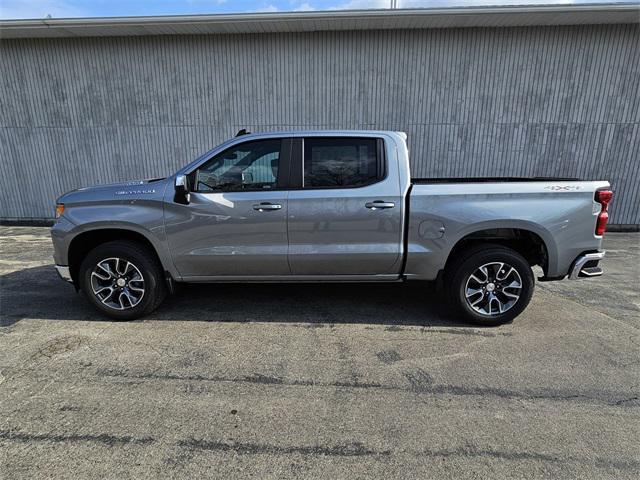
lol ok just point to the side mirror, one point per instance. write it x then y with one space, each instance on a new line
182 190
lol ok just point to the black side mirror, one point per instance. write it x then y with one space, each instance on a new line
182 190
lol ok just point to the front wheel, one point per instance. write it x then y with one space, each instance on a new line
122 279
490 285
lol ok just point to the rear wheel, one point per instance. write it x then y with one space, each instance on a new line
122 279
489 285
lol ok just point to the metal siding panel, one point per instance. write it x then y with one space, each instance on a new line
475 102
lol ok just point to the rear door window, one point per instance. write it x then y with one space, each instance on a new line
342 162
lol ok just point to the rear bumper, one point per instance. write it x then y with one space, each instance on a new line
64 273
586 266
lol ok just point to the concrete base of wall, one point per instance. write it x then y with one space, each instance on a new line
26 222
47 222
623 228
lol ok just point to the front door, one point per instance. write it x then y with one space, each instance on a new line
346 216
235 221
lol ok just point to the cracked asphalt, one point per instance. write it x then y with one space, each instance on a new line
317 381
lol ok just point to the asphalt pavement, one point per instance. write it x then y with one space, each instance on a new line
317 381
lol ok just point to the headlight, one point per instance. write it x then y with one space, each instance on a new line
59 209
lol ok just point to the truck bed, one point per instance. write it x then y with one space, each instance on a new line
442 211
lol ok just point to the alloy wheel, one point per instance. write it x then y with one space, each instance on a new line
493 288
117 283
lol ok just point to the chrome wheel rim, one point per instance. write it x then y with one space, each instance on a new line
117 283
493 289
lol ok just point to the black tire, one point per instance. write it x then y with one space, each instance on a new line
458 279
154 287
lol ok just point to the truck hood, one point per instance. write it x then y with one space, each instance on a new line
128 189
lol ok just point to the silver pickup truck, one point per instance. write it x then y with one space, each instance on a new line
327 206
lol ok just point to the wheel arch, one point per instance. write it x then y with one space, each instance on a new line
527 242
87 240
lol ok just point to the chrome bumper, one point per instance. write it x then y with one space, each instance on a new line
580 268
64 273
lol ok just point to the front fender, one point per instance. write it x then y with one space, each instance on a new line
143 217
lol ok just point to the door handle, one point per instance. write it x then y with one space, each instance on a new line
379 205
264 206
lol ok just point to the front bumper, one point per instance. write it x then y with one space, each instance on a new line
64 273
586 266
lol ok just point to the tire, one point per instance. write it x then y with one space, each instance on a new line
141 289
489 301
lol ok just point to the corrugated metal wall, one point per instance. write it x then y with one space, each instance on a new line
475 102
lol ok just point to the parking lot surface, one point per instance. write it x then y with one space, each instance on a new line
317 381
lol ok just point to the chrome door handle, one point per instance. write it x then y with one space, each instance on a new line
261 207
379 205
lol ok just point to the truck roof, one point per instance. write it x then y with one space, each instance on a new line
301 133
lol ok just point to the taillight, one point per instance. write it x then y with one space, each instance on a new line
603 197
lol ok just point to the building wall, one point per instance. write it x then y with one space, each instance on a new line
541 101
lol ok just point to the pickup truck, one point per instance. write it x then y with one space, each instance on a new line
327 206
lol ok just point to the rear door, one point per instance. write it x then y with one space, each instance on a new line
345 207
235 222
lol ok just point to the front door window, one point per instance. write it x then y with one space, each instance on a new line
250 166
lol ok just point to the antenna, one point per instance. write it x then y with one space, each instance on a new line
242 132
